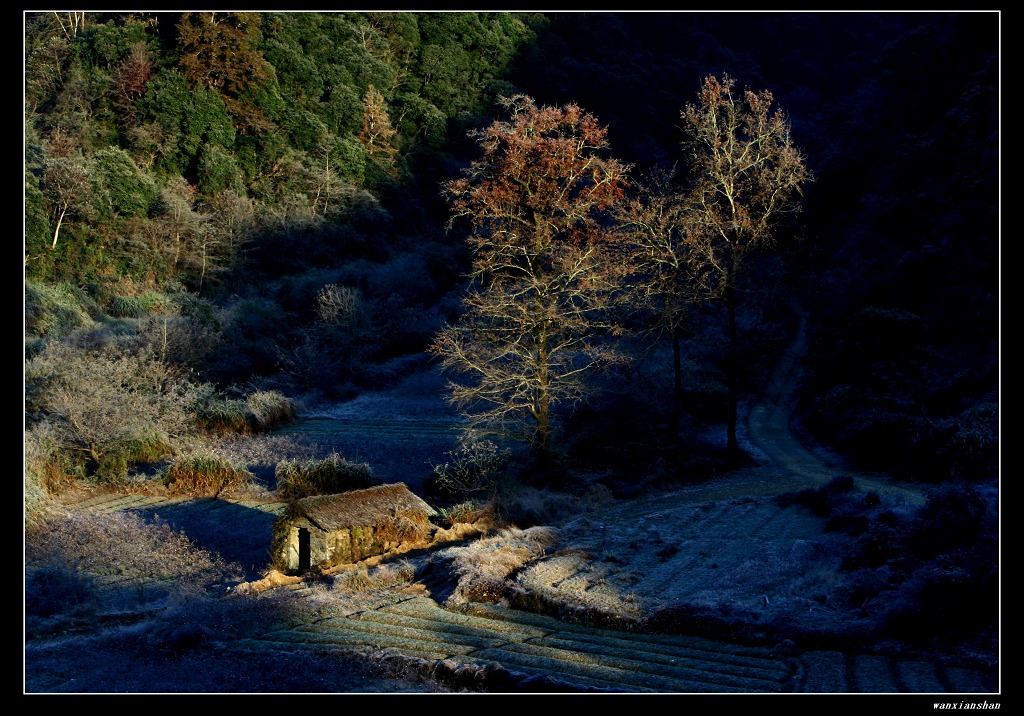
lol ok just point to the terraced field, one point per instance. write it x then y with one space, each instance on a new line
740 541
533 645
725 541
588 659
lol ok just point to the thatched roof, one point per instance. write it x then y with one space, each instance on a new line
358 508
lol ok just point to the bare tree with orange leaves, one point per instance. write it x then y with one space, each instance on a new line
543 265
747 175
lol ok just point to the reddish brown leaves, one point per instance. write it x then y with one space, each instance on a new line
543 255
747 175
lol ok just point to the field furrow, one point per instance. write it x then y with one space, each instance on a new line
873 675
824 672
919 677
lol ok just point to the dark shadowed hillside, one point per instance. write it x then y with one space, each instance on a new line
519 261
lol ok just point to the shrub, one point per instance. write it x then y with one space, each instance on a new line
217 170
252 326
954 516
882 541
835 494
524 506
175 639
110 406
205 474
53 311
960 595
973 450
327 476
120 186
477 465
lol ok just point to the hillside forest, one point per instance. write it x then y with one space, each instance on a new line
601 228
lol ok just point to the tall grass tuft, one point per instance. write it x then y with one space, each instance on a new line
362 578
268 409
327 476
137 306
259 412
205 475
221 416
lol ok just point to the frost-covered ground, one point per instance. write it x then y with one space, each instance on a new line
402 432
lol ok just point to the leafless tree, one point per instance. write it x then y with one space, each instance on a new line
544 268
655 223
747 175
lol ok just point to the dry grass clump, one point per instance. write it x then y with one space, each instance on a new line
204 474
148 448
272 578
482 568
120 543
222 416
326 476
268 409
406 526
466 512
362 578
257 412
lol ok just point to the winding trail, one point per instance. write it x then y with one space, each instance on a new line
768 430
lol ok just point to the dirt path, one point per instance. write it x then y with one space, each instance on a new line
770 436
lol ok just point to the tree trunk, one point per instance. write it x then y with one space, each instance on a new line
542 442
56 231
732 450
677 373
732 447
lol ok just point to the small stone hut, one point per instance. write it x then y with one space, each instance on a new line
327 530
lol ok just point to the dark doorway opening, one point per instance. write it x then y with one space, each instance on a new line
303 549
